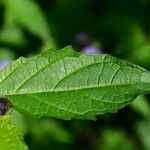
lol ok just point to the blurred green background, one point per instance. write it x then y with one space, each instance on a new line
120 27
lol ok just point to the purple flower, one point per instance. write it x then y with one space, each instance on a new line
3 64
92 50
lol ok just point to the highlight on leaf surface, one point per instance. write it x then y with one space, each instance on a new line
11 137
70 85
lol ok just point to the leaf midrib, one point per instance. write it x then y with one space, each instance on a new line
67 90
59 90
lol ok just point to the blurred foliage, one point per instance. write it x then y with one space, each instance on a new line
143 130
120 27
7 131
142 106
119 141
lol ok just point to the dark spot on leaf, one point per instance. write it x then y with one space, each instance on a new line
5 105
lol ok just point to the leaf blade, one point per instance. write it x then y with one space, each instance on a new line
10 136
68 85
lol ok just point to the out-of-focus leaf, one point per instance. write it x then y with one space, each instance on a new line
48 44
11 35
28 14
69 85
6 54
116 140
142 106
141 55
49 128
20 121
11 137
143 130
133 41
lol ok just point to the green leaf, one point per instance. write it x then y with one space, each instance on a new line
11 137
68 85
6 54
29 15
12 35
142 106
50 130
143 132
120 140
